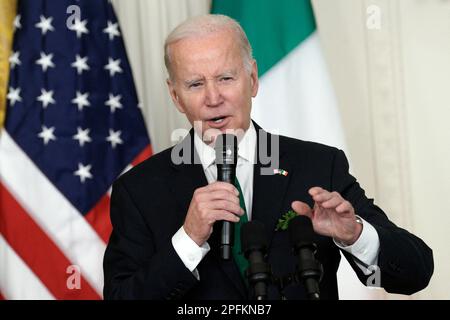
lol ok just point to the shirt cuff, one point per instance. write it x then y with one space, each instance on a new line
188 251
366 249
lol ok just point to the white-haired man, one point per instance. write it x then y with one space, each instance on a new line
164 213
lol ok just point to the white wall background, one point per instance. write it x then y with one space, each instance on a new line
392 84
390 64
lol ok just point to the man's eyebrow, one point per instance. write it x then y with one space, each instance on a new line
191 81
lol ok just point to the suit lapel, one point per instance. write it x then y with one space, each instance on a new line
269 189
189 174
187 178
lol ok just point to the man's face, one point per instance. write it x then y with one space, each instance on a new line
210 84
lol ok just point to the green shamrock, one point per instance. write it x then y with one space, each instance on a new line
283 223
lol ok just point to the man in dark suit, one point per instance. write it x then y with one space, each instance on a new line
164 212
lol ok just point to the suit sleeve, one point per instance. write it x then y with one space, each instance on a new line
405 262
133 269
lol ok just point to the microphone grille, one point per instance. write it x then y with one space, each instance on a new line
300 231
226 149
253 237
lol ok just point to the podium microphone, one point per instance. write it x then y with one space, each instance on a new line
309 270
226 161
254 245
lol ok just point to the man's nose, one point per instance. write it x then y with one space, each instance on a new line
213 96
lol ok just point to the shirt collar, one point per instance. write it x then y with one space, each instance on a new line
246 148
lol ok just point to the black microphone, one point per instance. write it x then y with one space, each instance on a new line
226 160
309 270
254 245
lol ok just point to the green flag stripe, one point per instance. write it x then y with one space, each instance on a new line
274 28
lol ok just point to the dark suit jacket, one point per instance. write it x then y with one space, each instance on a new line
149 204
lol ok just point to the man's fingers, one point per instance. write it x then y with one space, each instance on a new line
315 190
322 196
332 203
224 215
221 195
227 205
344 207
219 185
301 208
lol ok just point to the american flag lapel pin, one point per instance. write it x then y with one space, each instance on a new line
280 172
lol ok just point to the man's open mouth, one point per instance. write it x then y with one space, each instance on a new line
218 119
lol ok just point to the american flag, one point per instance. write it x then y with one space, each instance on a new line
73 125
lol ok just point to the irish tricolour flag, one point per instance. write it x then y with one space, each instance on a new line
295 97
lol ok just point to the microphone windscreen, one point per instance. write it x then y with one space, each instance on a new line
253 237
226 149
300 230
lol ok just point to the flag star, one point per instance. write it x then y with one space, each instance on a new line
45 24
45 61
80 64
114 138
113 66
46 98
17 23
47 134
83 172
112 30
13 95
114 102
14 59
82 136
79 27
81 100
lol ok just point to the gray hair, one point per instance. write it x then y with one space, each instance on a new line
204 25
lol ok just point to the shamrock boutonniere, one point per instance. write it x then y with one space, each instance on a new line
283 222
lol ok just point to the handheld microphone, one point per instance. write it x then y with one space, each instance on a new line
254 245
309 270
226 161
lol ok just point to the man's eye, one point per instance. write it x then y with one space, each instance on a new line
226 79
195 85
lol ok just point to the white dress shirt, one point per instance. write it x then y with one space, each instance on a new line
365 249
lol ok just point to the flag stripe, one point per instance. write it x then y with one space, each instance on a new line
300 87
99 219
145 154
274 29
46 260
15 273
56 216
